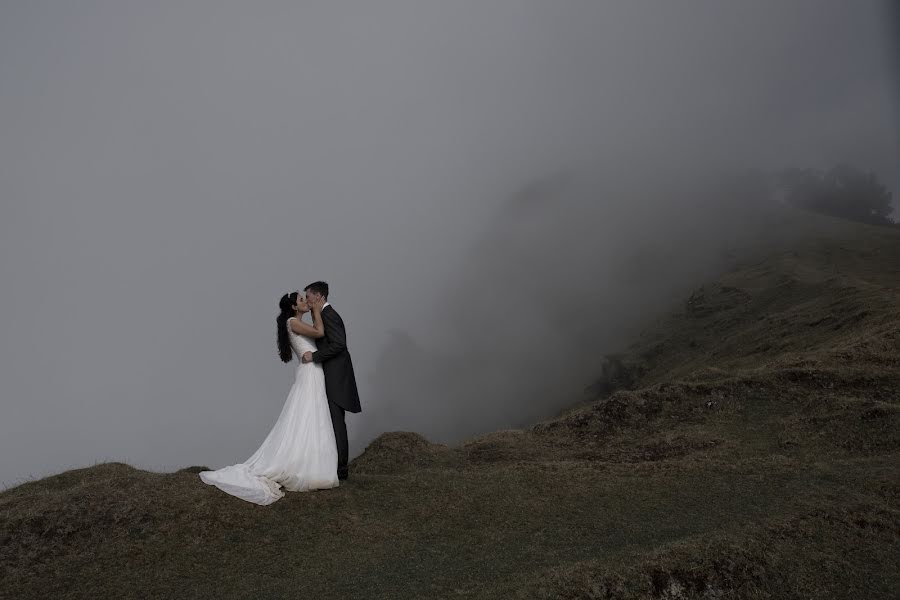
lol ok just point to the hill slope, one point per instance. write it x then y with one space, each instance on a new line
747 446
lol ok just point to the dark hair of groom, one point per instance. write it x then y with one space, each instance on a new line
319 287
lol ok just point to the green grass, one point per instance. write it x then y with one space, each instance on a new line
756 454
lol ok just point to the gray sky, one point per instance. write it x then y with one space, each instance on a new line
169 169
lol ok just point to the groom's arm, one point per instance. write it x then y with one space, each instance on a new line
335 338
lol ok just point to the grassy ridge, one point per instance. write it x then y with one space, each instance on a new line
747 446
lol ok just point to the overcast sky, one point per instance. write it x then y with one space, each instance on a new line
169 169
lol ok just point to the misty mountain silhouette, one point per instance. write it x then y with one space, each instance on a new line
745 446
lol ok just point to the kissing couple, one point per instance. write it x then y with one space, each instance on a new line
307 447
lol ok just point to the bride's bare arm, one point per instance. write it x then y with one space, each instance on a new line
316 330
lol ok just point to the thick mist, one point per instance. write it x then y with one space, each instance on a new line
499 193
569 269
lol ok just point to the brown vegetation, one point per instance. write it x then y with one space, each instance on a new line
747 446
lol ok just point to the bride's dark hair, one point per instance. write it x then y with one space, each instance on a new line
286 304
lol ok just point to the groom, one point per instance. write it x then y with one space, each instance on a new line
340 382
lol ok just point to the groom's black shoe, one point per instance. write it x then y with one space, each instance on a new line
343 476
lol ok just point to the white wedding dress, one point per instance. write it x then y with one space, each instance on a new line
299 453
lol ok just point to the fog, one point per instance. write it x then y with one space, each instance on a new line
498 193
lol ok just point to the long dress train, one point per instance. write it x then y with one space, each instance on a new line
299 453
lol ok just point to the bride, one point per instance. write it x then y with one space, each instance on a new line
299 453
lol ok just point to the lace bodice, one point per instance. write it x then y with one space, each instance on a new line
300 343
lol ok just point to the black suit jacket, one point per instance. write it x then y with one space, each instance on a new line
332 353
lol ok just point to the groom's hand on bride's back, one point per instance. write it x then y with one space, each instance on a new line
307 357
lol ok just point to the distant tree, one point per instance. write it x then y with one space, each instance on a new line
843 191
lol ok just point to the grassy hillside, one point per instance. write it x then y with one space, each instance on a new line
746 446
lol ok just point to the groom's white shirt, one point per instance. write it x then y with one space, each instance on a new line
327 304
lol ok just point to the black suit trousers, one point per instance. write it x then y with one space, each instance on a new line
340 437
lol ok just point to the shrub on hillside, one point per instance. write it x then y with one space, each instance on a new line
842 191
